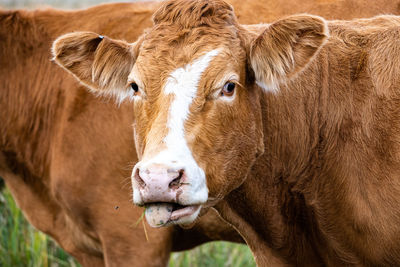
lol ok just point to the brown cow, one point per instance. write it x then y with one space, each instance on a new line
293 136
66 155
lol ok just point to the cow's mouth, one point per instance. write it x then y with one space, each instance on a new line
163 214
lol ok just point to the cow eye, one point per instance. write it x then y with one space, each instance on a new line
229 89
135 87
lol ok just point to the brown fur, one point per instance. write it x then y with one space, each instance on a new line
322 186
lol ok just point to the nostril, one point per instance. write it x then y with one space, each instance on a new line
139 179
176 183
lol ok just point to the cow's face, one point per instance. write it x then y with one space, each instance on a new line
196 120
196 79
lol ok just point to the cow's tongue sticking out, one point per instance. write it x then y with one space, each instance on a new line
158 215
162 214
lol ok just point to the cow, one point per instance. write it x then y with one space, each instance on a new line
291 130
66 155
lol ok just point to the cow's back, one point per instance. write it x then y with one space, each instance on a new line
251 12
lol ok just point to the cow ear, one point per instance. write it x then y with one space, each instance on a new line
285 48
101 63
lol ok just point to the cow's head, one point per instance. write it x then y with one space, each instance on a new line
196 80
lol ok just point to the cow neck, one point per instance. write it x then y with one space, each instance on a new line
271 208
30 98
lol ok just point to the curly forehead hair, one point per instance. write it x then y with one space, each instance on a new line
194 13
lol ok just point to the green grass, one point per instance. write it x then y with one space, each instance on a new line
22 245
218 254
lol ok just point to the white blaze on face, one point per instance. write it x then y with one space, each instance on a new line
183 84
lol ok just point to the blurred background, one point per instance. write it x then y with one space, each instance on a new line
70 4
22 245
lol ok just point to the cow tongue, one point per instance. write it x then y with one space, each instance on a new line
159 214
